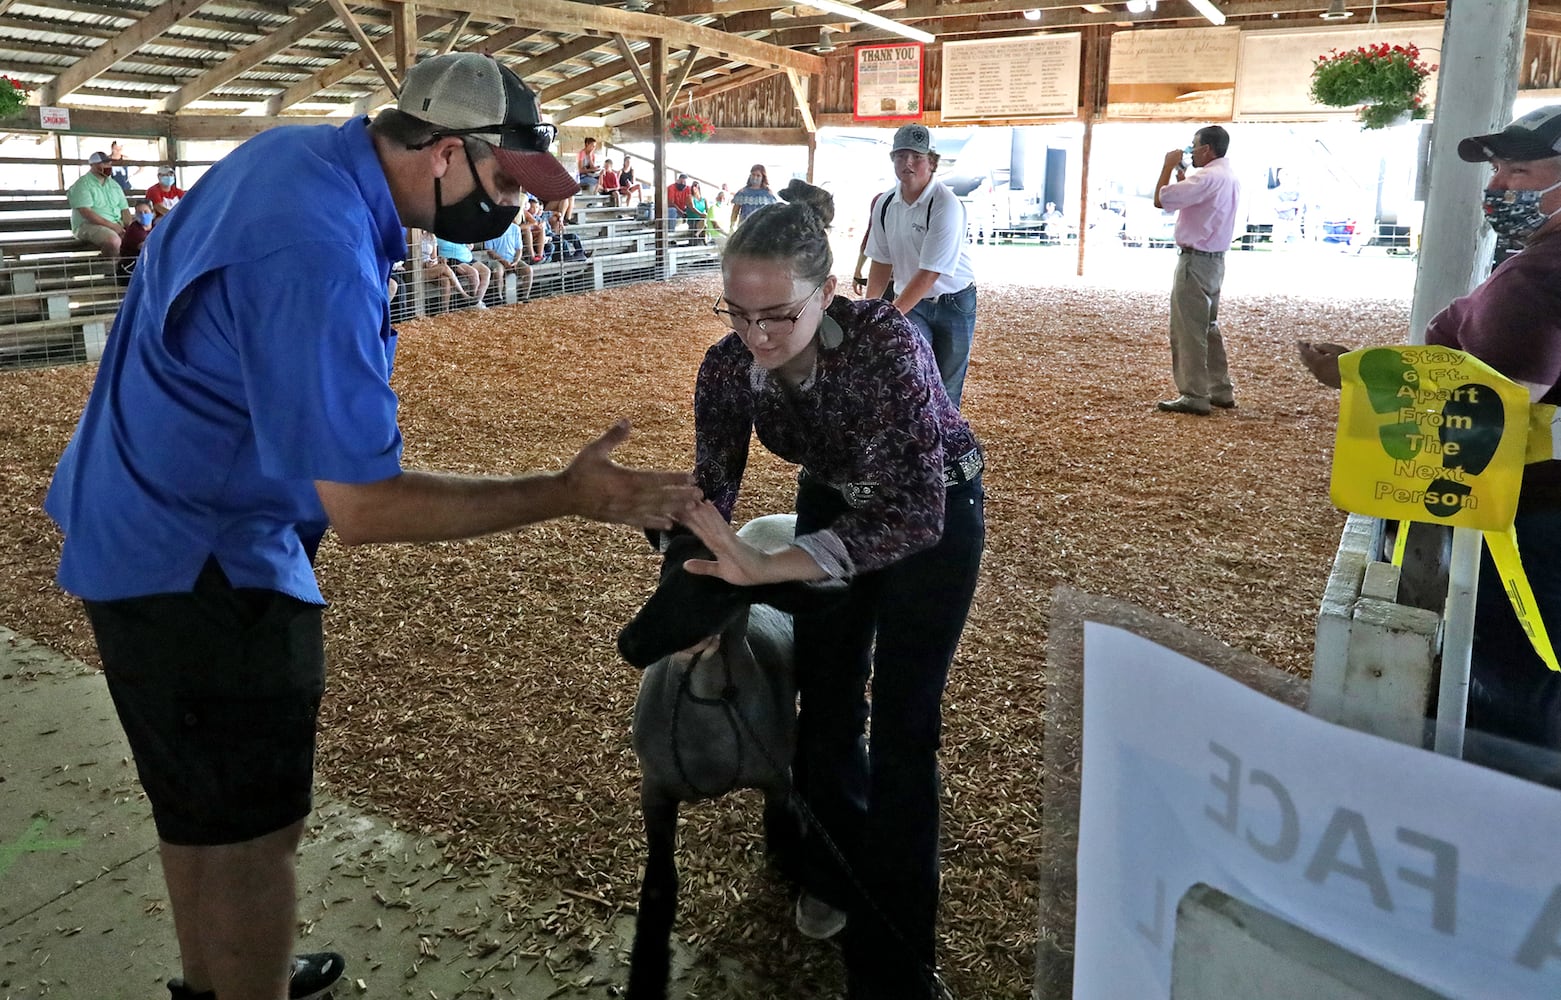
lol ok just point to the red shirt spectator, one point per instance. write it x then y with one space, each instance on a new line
609 179
165 194
679 194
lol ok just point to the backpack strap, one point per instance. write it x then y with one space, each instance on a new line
883 213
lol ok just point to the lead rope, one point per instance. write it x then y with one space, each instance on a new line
929 973
734 719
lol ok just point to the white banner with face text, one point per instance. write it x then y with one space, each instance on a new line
1441 872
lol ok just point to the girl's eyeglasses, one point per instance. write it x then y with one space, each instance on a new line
773 326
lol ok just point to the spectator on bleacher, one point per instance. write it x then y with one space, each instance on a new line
589 171
136 231
508 254
722 197
533 234
120 173
165 194
609 185
679 197
466 266
243 407
752 196
99 210
560 242
702 213
629 190
435 268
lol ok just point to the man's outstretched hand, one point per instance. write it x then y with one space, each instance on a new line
1322 360
602 490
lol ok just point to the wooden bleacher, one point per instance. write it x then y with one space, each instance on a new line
58 297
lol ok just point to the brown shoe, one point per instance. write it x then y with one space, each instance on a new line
1184 404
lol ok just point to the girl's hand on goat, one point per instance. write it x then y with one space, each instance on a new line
736 561
602 490
709 644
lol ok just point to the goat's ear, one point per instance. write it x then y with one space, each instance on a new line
799 597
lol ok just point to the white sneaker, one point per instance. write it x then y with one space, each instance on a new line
817 919
480 305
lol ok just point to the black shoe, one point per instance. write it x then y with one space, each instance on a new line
313 976
1184 404
1224 404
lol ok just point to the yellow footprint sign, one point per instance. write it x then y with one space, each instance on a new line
1432 434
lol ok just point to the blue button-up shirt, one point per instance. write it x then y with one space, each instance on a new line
251 357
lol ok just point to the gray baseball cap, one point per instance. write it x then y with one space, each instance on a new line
465 93
916 138
1535 136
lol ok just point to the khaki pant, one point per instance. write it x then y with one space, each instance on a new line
1197 350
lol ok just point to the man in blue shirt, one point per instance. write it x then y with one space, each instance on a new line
242 406
509 254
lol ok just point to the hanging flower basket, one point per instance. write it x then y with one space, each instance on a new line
689 127
13 97
1386 81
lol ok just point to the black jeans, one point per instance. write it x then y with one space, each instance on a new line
872 847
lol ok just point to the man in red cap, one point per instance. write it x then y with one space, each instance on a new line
243 407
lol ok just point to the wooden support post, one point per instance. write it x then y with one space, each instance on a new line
658 178
1482 50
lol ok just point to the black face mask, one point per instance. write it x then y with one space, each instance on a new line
476 218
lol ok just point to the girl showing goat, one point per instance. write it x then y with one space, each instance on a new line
889 501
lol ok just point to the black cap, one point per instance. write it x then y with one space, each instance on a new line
1535 136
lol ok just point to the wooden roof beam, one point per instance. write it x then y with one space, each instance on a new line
647 89
752 74
367 45
249 57
682 77
570 17
159 20
575 82
552 57
799 90
343 68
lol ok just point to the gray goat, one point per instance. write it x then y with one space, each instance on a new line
710 723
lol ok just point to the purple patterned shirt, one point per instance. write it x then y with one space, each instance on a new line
872 420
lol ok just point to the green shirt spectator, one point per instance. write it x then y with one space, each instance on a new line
98 207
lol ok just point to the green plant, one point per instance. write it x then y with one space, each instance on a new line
690 127
13 97
1387 81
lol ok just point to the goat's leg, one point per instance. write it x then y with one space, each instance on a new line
783 830
650 962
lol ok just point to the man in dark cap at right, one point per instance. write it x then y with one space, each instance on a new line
1512 322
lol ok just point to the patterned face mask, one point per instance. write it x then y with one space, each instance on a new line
1516 214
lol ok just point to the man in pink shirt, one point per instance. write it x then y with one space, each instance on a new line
1205 203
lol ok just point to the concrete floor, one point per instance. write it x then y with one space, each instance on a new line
83 911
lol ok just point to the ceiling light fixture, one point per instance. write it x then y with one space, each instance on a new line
1140 6
1335 12
826 41
1208 10
636 6
868 17
1032 15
